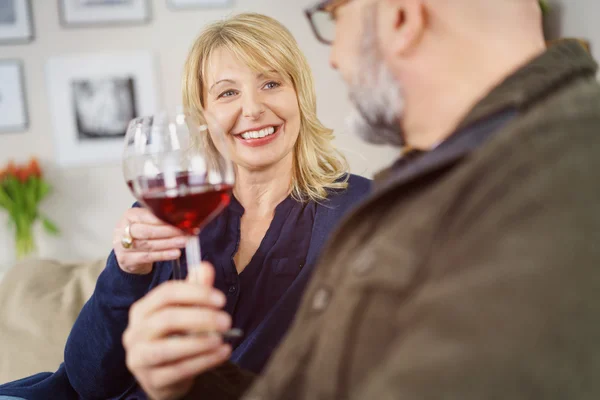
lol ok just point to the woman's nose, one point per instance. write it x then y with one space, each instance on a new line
253 107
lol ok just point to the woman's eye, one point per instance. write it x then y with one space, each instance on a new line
272 85
228 93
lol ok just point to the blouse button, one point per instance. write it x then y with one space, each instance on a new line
232 289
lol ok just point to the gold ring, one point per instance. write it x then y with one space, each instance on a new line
127 239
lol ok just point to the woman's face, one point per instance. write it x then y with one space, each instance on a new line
259 114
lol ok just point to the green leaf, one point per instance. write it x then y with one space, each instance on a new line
11 185
32 187
545 7
43 189
49 226
15 191
37 187
5 200
30 198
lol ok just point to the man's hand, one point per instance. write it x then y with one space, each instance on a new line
172 334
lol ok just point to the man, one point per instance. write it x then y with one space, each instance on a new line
472 271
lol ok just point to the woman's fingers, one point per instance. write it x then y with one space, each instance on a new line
153 241
132 260
143 216
174 243
145 231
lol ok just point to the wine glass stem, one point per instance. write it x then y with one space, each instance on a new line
192 252
176 264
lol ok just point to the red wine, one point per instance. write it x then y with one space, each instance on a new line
191 211
189 207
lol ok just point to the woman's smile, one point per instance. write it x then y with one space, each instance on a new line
260 136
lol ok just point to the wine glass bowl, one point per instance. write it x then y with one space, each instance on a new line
189 207
172 165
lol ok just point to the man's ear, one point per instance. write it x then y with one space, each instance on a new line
402 23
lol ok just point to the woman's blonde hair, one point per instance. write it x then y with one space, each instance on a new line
265 45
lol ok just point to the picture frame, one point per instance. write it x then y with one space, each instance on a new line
87 13
188 4
16 26
92 99
13 100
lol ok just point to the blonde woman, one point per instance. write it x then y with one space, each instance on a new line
292 187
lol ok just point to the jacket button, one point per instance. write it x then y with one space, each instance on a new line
363 265
321 299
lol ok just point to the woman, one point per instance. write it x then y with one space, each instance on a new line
291 188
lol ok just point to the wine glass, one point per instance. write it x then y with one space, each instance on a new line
177 166
133 136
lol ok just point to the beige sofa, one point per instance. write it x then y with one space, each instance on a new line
39 302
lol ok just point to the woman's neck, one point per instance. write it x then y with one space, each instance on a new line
259 192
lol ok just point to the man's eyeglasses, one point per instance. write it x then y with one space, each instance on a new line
322 19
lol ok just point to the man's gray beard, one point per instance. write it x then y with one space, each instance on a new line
376 95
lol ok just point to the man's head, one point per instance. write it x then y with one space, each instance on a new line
416 67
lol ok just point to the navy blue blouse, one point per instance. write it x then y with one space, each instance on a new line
273 268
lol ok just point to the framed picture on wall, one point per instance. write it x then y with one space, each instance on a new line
182 4
92 99
13 106
81 13
15 22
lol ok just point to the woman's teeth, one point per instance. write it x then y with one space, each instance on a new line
258 134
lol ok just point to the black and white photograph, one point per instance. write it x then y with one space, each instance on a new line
13 108
103 107
15 22
183 4
93 97
8 15
103 2
82 13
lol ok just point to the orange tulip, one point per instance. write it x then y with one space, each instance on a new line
11 169
34 168
30 170
22 174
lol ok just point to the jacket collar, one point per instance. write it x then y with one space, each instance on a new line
557 66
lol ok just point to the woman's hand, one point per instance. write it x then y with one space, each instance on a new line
171 334
153 241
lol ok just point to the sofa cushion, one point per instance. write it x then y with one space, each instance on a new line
39 302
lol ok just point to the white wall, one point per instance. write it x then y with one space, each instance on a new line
577 18
87 202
